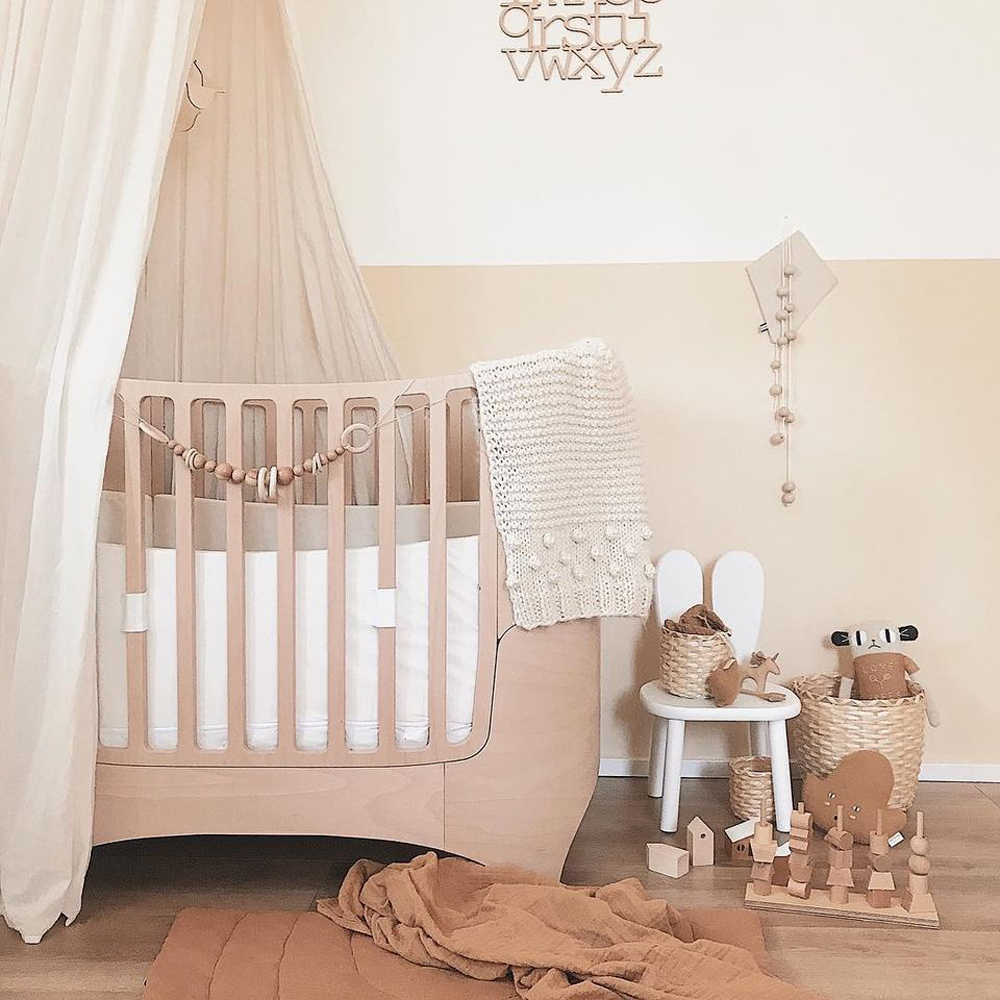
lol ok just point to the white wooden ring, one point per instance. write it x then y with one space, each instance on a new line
272 483
262 484
356 449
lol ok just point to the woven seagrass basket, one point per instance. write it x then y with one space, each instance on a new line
829 728
749 782
687 660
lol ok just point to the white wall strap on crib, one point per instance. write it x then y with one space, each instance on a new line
135 616
383 613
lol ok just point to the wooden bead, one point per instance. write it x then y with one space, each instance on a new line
331 456
308 465
775 390
792 335
777 439
783 411
298 471
179 449
789 270
919 865
338 450
238 476
199 461
919 845
781 314
775 365
788 499
788 487
285 475
784 291
171 444
211 465
223 471
781 341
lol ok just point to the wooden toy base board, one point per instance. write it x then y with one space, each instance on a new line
819 905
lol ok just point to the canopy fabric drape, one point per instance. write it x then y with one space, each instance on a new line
249 277
89 92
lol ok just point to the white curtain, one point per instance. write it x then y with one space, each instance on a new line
89 90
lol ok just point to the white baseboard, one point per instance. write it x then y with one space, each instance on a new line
638 767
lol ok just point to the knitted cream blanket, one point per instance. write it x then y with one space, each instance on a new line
563 448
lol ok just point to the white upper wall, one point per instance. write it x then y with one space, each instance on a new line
874 125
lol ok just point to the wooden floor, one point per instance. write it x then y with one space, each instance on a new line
134 891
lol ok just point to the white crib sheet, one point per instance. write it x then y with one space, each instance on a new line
311 722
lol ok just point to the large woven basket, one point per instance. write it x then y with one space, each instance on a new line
829 728
749 783
687 660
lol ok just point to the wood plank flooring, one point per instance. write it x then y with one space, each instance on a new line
134 890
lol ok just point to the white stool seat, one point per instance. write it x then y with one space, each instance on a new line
671 713
746 708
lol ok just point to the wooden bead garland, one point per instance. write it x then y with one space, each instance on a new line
267 478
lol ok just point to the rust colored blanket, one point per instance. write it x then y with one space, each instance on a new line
554 942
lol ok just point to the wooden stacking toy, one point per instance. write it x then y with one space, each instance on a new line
879 903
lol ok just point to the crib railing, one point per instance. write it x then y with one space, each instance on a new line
439 451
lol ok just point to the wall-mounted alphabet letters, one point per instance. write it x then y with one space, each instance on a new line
605 40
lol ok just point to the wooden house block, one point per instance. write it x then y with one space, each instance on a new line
700 843
667 860
738 838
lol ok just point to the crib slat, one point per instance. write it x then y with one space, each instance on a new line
437 583
488 544
184 529
336 643
286 590
236 637
386 443
135 583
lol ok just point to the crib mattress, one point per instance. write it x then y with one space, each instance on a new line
361 678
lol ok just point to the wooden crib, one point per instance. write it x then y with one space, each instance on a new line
513 789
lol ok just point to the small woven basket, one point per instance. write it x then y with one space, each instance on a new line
829 728
687 660
749 782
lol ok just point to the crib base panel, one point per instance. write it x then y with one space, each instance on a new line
397 803
519 801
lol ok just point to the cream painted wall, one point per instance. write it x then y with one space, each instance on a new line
896 452
871 125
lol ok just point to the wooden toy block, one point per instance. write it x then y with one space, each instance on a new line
842 840
700 843
802 820
881 886
840 859
800 871
799 889
763 852
665 859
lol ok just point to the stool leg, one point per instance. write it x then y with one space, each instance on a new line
758 739
657 758
670 806
781 777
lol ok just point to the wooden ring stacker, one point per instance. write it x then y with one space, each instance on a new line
348 434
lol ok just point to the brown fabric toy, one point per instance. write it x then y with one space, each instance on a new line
862 784
697 620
